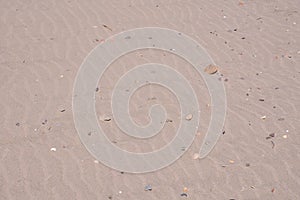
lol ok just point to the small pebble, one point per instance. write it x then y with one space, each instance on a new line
231 161
189 117
96 161
247 164
264 117
53 149
18 124
185 189
273 190
284 136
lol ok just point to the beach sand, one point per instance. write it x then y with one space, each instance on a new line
256 45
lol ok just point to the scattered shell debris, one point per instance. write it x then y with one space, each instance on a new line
211 69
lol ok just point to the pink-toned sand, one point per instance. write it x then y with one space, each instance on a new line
255 43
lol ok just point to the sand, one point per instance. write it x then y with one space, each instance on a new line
254 43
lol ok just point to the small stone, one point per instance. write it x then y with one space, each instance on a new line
247 164
185 189
285 136
120 192
17 124
273 190
189 117
231 161
53 149
61 76
211 69
96 161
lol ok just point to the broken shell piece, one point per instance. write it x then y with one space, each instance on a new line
211 69
231 161
105 118
184 195
53 149
196 156
148 188
189 117
284 136
264 117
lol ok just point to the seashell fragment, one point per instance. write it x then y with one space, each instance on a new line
211 69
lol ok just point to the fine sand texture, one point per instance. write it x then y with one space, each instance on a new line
255 43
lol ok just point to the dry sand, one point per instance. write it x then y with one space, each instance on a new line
255 43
